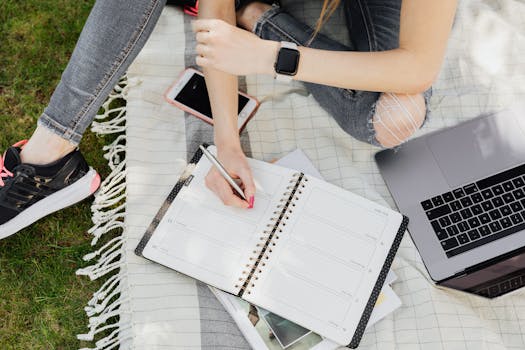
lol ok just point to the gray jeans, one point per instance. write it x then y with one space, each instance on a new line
116 31
114 34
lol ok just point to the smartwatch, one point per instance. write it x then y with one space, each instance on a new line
287 62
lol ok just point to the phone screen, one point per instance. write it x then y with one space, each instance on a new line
195 95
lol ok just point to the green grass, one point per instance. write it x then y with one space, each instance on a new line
41 299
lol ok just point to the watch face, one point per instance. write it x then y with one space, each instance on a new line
287 61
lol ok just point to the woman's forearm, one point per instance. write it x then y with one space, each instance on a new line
424 30
222 87
396 70
388 71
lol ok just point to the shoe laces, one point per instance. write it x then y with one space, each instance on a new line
4 172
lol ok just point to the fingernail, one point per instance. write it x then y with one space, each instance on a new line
250 202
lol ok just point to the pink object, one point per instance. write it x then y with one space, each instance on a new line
95 183
196 113
192 10
20 144
4 172
251 201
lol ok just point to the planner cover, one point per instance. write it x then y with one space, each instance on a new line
186 176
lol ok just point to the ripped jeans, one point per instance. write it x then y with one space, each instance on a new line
372 25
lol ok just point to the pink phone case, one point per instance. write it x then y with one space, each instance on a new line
200 115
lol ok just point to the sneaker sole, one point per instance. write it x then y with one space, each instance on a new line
74 193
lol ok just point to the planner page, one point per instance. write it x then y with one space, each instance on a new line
201 237
325 262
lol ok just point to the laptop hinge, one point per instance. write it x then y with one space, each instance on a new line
460 273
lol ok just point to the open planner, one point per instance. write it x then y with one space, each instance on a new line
308 251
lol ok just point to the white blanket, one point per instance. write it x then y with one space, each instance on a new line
159 309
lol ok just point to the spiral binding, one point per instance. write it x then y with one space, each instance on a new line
271 234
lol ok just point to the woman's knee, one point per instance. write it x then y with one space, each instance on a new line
397 117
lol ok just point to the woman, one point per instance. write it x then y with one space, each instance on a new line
48 172
374 89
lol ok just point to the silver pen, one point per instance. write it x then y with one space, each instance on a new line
223 171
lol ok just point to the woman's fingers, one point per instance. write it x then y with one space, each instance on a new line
227 195
202 62
202 50
205 25
249 185
216 183
202 37
233 50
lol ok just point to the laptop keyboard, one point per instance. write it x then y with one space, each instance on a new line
501 287
480 212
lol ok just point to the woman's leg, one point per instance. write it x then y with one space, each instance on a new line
355 111
396 116
47 174
113 35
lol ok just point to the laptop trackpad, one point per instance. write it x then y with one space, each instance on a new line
478 148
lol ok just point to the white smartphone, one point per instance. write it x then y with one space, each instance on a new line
190 94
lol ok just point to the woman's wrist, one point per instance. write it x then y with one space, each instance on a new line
227 139
269 50
228 145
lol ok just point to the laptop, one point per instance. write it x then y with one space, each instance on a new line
463 189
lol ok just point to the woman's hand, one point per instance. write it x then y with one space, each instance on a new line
233 50
234 161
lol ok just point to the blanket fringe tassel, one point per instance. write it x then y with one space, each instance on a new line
108 210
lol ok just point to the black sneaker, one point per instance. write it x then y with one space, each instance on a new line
30 192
